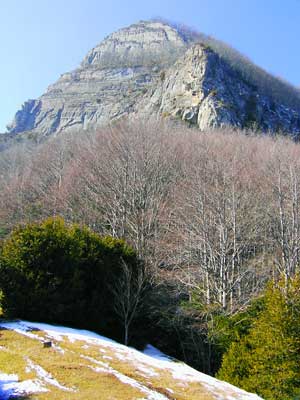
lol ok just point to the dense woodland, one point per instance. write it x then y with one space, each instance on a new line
212 223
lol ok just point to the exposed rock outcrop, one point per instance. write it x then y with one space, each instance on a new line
202 89
155 68
111 79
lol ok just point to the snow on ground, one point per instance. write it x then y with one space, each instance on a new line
46 377
146 362
185 373
10 386
56 332
152 395
22 328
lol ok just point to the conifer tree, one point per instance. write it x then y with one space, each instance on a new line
267 360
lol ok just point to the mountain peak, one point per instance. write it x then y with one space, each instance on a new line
146 42
158 67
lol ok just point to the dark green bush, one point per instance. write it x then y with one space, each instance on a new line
57 273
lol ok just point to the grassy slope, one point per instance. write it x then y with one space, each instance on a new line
93 371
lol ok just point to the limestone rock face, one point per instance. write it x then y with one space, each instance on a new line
154 68
204 90
110 80
146 43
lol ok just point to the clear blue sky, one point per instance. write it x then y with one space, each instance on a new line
40 39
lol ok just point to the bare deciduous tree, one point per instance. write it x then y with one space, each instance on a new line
128 294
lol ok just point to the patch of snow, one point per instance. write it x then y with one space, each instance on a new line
123 356
46 376
26 330
153 352
22 328
108 357
183 372
11 386
57 332
147 370
58 348
99 369
170 390
149 360
151 394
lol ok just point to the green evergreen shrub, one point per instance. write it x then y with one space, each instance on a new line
57 273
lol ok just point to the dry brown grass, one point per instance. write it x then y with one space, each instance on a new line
72 370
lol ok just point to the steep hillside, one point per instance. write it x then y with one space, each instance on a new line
111 79
157 68
84 365
205 90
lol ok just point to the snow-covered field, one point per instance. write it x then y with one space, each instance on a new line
147 372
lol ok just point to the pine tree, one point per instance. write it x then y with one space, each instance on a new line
267 360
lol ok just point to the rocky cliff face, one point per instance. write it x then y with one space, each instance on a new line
110 81
153 68
204 90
